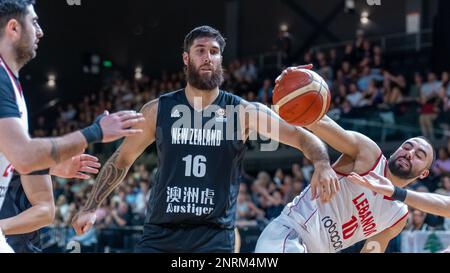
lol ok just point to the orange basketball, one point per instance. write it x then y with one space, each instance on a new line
301 97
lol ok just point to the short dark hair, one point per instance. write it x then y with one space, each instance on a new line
432 149
13 9
201 32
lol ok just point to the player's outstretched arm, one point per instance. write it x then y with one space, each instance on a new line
116 168
39 191
27 154
428 202
324 181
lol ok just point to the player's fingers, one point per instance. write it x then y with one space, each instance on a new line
338 186
124 113
89 170
86 157
132 122
82 176
130 116
131 132
327 191
91 164
333 189
313 192
307 66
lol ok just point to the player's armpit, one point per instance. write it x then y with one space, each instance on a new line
379 242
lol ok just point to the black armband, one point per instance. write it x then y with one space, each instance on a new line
93 133
42 172
399 194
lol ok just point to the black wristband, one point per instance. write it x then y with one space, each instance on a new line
42 172
94 133
399 194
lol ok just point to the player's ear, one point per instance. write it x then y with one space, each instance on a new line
186 58
13 27
424 174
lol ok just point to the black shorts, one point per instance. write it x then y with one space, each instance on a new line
193 239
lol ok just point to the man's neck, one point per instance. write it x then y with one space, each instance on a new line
200 99
398 182
10 60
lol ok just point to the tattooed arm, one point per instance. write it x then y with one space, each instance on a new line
116 168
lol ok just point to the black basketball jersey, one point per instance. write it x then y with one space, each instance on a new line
15 203
199 162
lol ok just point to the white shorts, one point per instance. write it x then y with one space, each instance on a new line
4 247
280 238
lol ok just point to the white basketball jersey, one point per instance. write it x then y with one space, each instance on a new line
6 169
354 214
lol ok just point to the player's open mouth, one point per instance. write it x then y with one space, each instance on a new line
403 162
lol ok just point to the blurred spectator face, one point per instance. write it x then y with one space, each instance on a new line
342 90
431 77
417 78
422 189
251 96
346 67
297 186
377 50
419 218
443 154
446 183
445 76
348 49
353 88
123 208
333 54
279 173
267 84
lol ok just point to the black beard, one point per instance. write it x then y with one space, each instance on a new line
24 52
398 171
204 83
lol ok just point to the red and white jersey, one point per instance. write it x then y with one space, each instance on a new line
6 169
354 214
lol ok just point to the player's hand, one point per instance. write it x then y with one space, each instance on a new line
324 183
83 221
293 68
378 184
118 125
76 167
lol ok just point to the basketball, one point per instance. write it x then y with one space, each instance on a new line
301 97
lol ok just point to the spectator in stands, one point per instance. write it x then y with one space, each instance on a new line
442 164
445 186
418 221
429 100
266 90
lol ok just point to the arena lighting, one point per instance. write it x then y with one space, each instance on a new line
51 82
365 18
138 73
284 27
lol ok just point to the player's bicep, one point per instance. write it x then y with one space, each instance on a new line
133 146
38 189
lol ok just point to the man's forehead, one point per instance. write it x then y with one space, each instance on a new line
419 142
205 41
31 11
